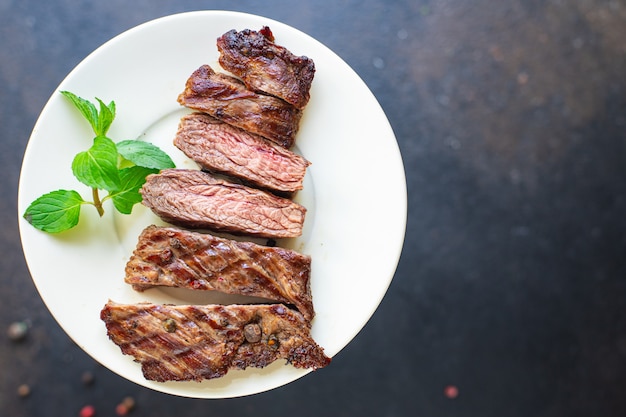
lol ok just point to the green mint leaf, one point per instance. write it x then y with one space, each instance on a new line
87 109
97 167
144 154
105 117
100 121
131 179
55 212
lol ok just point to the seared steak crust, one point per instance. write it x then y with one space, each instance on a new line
220 147
199 200
167 256
226 98
264 66
182 343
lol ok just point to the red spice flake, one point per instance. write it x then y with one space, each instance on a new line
125 407
121 410
451 392
23 390
88 411
129 402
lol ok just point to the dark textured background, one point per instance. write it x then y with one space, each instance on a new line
510 116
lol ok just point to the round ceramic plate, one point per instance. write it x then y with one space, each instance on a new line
355 191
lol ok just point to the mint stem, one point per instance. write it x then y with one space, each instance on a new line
97 202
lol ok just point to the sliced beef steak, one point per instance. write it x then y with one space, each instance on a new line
183 343
219 147
167 256
226 98
265 66
197 199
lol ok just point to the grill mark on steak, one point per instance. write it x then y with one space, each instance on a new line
167 256
205 342
197 199
227 99
218 146
264 66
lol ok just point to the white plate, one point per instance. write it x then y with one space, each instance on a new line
355 191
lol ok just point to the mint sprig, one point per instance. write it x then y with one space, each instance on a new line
100 120
120 169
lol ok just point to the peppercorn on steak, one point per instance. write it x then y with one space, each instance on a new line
184 343
168 256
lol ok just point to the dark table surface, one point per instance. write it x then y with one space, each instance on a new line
511 288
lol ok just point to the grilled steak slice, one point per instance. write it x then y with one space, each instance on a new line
197 199
182 343
264 66
228 99
167 256
220 147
